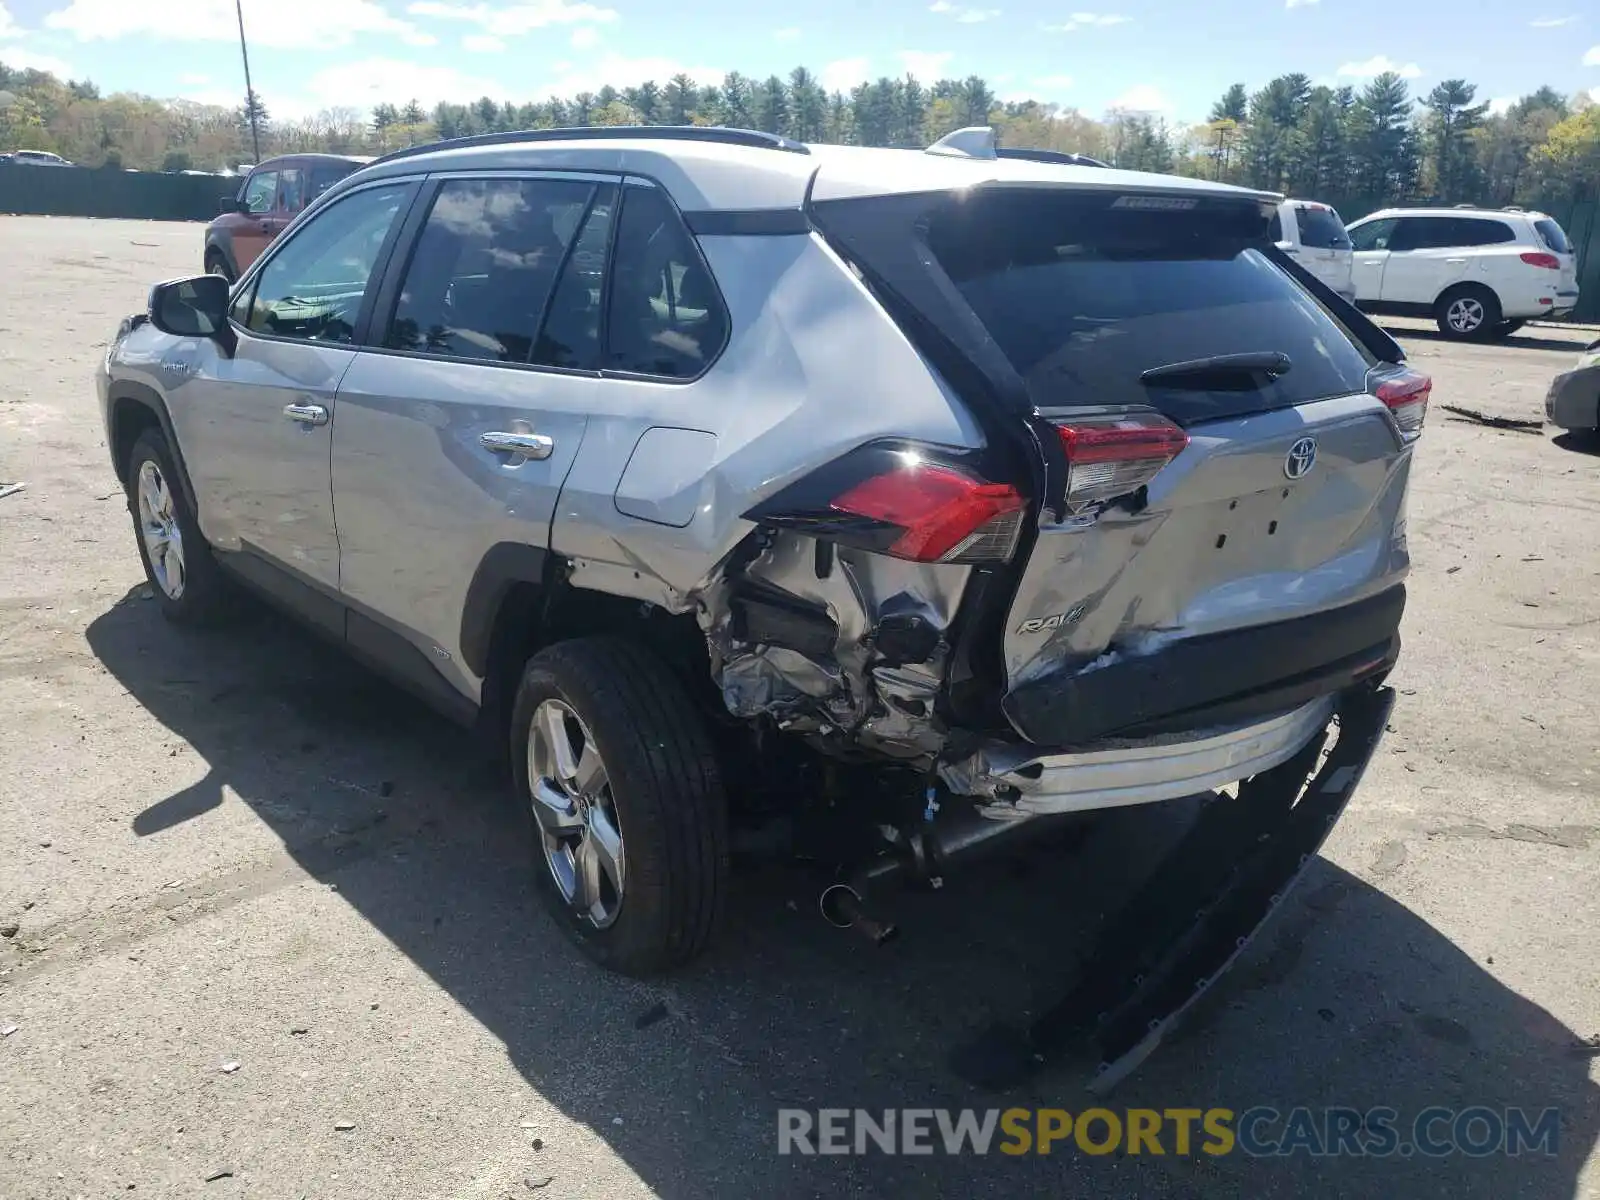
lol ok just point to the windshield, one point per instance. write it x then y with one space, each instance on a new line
1083 298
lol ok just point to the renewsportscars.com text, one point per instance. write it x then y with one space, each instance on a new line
1258 1132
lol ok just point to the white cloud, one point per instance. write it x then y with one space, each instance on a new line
585 37
482 43
282 24
787 34
1594 94
515 19
1379 64
27 60
8 27
924 64
1084 20
843 74
967 16
378 80
1592 59
1500 105
1299 3
1144 98
1552 22
619 71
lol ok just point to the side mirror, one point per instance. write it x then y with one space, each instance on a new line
194 307
229 204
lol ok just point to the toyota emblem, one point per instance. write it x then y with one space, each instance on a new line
1301 458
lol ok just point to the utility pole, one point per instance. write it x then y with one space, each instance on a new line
250 105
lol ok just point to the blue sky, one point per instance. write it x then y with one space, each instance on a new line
1156 55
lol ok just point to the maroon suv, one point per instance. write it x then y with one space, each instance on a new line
271 195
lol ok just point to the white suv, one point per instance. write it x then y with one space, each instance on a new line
1313 235
1479 273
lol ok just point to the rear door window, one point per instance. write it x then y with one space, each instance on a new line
1479 231
1321 229
1082 299
485 267
1552 235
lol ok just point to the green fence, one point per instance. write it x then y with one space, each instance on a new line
90 192
1582 223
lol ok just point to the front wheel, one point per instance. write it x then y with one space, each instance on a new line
1467 312
178 562
217 265
625 802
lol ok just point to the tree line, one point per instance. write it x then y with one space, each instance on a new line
1358 149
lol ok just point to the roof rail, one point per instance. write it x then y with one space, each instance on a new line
1064 157
976 141
595 133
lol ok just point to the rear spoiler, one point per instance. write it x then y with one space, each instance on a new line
1362 327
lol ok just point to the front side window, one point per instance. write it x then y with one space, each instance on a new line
485 267
260 192
313 286
1321 229
1374 235
665 317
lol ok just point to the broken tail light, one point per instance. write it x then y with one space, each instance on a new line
1113 456
902 501
1405 392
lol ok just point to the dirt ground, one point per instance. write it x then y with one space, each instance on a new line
237 849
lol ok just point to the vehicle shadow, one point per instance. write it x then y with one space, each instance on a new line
1585 441
1348 999
1543 337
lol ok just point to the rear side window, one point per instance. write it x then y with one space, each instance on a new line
485 267
1447 233
1082 299
664 317
1552 235
1321 229
323 178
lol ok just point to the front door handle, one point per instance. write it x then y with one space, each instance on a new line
528 445
306 414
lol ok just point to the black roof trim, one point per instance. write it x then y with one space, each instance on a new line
1048 156
761 222
596 133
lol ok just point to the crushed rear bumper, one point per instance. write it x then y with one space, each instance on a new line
1208 897
1573 401
1219 679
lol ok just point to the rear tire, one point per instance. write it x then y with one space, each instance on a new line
633 867
183 573
1506 328
1468 312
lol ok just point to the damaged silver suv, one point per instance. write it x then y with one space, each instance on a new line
731 482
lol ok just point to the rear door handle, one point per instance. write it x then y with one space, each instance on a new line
528 445
1455 262
306 414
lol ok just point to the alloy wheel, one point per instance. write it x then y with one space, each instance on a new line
1465 314
577 815
158 524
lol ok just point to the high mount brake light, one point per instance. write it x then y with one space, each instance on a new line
941 514
1114 456
1405 392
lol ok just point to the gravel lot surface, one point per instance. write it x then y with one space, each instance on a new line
238 849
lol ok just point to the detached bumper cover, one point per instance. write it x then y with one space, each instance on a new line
1153 960
1573 401
1218 679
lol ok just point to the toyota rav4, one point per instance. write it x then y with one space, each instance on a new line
731 484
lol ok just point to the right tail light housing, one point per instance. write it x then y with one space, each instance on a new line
1113 456
1404 391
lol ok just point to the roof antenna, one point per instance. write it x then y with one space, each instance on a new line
976 141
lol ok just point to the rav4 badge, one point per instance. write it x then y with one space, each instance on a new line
1045 624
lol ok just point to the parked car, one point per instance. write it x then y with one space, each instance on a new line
1480 273
1314 236
271 196
39 158
1573 401
732 484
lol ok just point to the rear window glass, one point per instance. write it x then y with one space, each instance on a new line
1321 229
1553 236
1082 299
